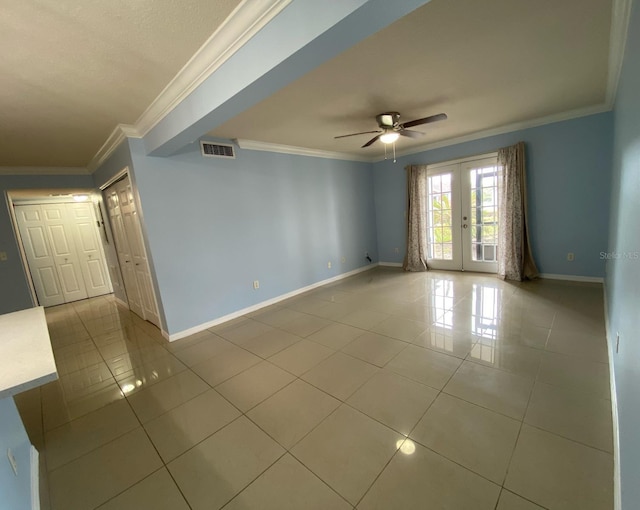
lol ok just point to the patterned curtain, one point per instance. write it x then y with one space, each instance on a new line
515 261
416 258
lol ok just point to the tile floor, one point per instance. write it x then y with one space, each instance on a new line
386 390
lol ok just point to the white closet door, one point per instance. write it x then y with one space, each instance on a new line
112 198
64 252
39 256
89 248
133 231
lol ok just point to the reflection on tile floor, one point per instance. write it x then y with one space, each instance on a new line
386 390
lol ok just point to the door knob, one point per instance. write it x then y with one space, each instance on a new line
464 226
137 263
66 259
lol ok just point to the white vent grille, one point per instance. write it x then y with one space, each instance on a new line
217 150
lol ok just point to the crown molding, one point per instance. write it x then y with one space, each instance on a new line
254 145
117 136
241 25
44 170
247 19
508 128
620 16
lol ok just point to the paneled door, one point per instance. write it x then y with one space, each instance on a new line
39 256
131 251
89 248
462 215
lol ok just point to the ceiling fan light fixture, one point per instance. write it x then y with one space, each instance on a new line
389 137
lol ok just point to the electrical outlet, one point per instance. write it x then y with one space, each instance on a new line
12 461
343 260
256 284
3 256
570 257
329 265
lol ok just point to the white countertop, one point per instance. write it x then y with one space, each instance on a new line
26 357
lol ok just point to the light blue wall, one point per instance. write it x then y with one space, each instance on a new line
569 171
215 225
14 289
623 274
15 491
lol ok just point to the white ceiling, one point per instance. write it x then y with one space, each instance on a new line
70 71
485 63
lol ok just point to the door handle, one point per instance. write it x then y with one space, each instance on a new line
66 259
127 261
464 226
137 263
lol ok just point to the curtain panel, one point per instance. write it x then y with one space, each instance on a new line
416 257
515 261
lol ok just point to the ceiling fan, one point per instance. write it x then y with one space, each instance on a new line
391 128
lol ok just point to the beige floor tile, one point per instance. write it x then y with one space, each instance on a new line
86 381
249 388
214 471
423 479
243 331
76 356
518 359
278 317
336 335
301 357
558 473
80 436
305 325
572 414
425 366
348 450
119 342
374 348
340 375
166 395
176 431
293 412
225 365
510 501
580 374
334 311
267 344
590 347
207 348
401 329
158 492
149 374
306 304
108 323
191 340
499 391
103 473
57 409
510 333
393 400
288 485
446 341
29 404
363 319
472 436
128 361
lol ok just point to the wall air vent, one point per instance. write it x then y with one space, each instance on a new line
217 150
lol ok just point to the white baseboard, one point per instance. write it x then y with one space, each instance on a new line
572 278
617 489
35 478
201 327
390 264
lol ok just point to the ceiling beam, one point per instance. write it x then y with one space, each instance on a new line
305 34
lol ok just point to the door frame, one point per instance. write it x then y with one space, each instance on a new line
457 263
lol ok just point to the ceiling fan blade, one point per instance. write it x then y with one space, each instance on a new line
410 134
371 141
354 134
425 120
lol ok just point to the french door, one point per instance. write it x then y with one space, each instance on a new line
462 215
